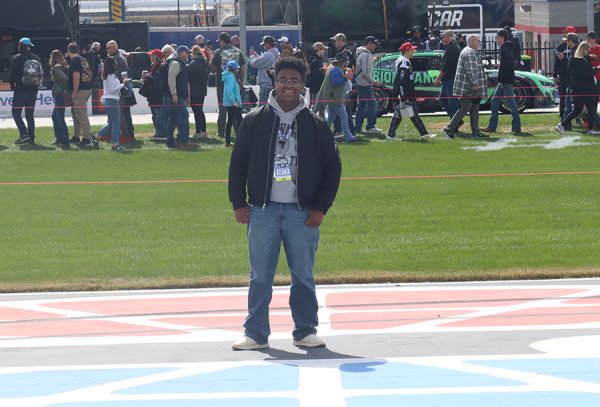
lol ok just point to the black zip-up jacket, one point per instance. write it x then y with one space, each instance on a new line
251 166
561 66
582 77
506 70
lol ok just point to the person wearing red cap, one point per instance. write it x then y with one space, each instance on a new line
404 88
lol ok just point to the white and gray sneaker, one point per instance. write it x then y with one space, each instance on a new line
428 136
559 128
310 341
592 132
373 130
393 138
247 343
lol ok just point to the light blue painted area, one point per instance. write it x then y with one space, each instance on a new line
412 376
530 399
46 383
247 402
587 370
238 379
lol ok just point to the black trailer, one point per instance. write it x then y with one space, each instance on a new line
51 24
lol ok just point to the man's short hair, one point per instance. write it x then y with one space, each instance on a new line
504 34
113 43
592 35
73 48
224 36
291 63
448 33
471 36
572 37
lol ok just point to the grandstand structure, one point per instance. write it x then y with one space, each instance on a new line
163 13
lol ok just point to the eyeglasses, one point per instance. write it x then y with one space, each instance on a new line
289 82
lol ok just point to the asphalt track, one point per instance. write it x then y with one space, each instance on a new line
497 344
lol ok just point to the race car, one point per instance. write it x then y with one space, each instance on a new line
531 89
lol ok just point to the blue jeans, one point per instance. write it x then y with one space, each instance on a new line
447 100
61 132
505 91
113 124
334 111
366 101
267 229
178 116
24 99
263 95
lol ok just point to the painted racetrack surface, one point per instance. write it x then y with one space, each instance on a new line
474 344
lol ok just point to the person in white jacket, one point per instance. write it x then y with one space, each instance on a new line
364 86
112 93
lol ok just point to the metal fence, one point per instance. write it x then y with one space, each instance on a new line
541 55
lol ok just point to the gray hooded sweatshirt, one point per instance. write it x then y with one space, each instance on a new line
286 151
364 67
263 63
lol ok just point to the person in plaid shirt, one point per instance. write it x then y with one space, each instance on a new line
470 86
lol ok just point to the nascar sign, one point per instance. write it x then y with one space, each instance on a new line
466 18
116 10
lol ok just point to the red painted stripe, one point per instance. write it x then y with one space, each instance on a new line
373 178
547 30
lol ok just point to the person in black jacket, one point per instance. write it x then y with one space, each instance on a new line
286 159
582 83
316 76
506 80
561 71
404 88
24 94
447 73
198 78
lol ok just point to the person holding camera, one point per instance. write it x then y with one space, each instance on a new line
581 80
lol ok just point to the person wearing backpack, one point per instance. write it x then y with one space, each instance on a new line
26 75
80 82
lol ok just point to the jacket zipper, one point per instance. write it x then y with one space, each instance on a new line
297 164
269 163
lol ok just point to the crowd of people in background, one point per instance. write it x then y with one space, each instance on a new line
178 77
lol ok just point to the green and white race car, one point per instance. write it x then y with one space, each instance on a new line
531 89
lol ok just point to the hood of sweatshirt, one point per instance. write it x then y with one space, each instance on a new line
275 51
361 50
287 117
225 74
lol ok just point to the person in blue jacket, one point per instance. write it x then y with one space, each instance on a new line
232 100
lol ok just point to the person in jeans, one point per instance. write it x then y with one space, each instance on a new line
198 78
316 76
232 100
582 82
364 87
470 86
264 63
447 73
179 94
332 92
505 89
60 88
80 82
24 94
112 93
287 205
221 57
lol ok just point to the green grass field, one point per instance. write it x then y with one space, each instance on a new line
108 236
